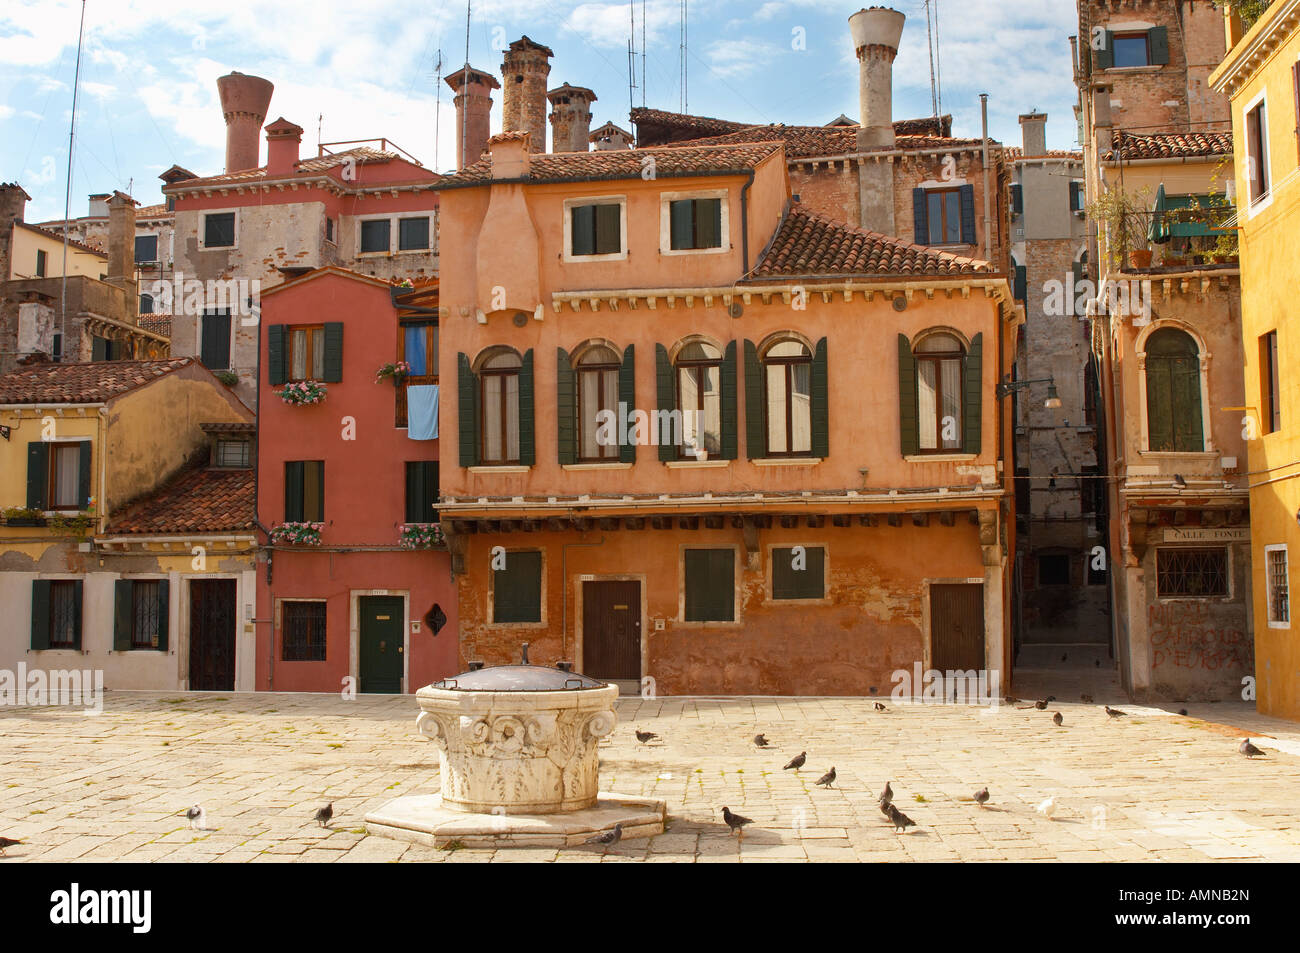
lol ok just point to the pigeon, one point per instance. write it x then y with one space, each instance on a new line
827 779
880 707
1086 699
645 737
6 843
607 837
982 796
886 796
196 815
797 761
1010 700
735 821
900 820
324 814
1248 749
1041 705
1182 711
760 740
884 807
1115 712
1047 808
1057 720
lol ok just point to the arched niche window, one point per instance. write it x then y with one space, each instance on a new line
495 408
787 399
940 395
597 373
699 390
1173 382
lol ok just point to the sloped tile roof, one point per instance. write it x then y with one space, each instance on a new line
808 141
157 324
198 501
1125 145
154 211
72 242
92 383
1015 153
305 167
707 126
807 244
683 160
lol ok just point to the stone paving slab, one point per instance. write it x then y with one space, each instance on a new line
1155 786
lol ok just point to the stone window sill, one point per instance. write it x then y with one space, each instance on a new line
506 469
786 461
941 457
614 465
696 464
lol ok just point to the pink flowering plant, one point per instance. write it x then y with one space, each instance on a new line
297 534
398 371
421 535
303 392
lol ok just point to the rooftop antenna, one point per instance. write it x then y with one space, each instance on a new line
929 42
464 120
67 200
643 48
686 101
938 62
437 108
320 125
631 56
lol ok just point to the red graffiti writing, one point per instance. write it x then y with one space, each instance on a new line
1185 635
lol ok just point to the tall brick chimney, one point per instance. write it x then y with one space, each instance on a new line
244 101
283 140
876 33
571 118
525 68
473 112
1033 129
13 206
121 243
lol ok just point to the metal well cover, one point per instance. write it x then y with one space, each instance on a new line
519 678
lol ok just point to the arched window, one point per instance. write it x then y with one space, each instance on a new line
1173 379
597 370
699 389
939 360
499 400
787 379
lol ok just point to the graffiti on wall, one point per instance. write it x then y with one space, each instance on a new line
1191 635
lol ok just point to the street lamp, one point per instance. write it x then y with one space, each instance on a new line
1008 386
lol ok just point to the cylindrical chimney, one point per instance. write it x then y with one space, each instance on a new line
571 118
244 101
121 242
524 70
473 112
1033 128
876 34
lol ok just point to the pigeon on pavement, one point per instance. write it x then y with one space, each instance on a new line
1248 749
760 740
886 796
1115 712
982 796
900 820
196 815
6 843
880 707
735 821
827 779
1086 699
797 761
1057 719
607 837
645 737
324 814
1047 808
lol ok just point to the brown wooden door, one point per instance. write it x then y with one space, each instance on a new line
212 635
611 630
957 627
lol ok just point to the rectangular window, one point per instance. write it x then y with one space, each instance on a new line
1257 152
420 350
517 589
63 492
306 353
1295 88
65 614
42 260
696 223
219 230
939 402
146 610
56 352
1268 379
422 491
329 229
710 585
1191 573
1053 569
944 216
304 491
1131 49
304 632
146 249
146 304
233 454
799 575
1279 592
214 349
413 234
374 236
596 229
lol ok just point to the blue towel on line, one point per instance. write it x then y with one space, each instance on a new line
422 412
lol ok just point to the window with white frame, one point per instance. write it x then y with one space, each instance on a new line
1277 587
595 229
694 223
1257 179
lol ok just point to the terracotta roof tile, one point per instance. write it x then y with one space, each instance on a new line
198 501
154 211
1125 145
1015 154
364 155
72 242
157 324
832 139
807 244
91 383
808 141
703 125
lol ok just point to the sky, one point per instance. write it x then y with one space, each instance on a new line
362 70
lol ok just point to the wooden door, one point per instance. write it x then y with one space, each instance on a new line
611 630
957 627
382 648
212 635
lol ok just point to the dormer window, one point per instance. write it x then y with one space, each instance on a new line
232 454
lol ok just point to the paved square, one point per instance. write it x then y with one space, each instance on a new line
1151 786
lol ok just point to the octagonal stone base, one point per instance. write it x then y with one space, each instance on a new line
422 819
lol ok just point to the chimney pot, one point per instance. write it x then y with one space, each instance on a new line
473 112
876 33
283 140
244 101
571 118
1033 127
121 243
523 102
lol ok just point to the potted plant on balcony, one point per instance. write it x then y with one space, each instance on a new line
1123 217
421 535
297 534
398 371
302 393
22 516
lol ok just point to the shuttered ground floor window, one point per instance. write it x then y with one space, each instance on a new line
56 613
799 573
710 585
140 615
1186 573
517 587
1279 595
304 632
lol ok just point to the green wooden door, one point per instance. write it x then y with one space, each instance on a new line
382 644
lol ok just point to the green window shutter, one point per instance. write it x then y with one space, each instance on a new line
517 589
755 435
38 474
414 492
1074 196
730 420
467 399
583 229
609 238
76 611
1104 58
40 614
1022 283
83 475
123 614
1158 42
806 583
527 448
710 585
667 399
1186 374
972 378
275 365
708 223
164 608
627 397
967 193
821 430
566 407
293 491
909 415
682 220
333 352
1017 199
1160 417
920 217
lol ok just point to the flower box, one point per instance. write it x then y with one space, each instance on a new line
397 371
422 536
302 393
297 534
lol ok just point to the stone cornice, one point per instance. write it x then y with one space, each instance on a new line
1241 64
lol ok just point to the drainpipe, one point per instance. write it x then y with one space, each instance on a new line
988 217
564 580
744 220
